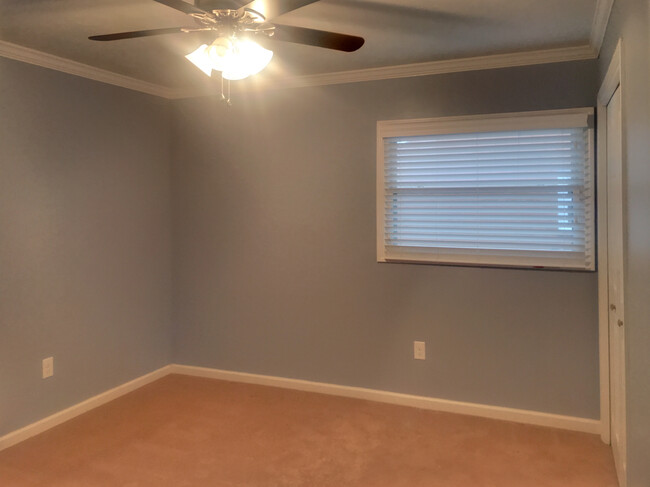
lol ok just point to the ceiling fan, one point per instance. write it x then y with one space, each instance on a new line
229 30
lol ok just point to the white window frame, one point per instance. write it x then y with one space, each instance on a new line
534 120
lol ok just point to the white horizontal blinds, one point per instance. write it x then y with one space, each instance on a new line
521 197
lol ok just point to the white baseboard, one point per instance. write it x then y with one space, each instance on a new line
494 412
62 416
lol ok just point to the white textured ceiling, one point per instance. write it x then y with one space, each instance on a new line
396 32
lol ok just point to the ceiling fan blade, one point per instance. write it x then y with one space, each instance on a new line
274 8
182 6
318 38
136 33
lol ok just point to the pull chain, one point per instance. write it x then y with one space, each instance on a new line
225 97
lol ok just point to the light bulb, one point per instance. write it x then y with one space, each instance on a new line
236 59
221 52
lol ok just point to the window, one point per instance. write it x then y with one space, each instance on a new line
504 190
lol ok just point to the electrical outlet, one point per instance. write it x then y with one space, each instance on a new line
419 352
48 367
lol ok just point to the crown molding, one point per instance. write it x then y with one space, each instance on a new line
599 25
493 61
44 60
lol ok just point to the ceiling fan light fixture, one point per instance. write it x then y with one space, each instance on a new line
236 59
239 58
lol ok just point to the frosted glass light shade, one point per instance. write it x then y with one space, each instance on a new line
200 59
249 58
236 59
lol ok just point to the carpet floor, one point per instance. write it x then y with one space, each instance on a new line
186 431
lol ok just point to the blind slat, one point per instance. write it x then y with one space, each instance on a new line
520 196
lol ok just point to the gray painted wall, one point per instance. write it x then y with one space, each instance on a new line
275 269
630 21
85 251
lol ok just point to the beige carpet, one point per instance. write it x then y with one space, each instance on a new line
185 431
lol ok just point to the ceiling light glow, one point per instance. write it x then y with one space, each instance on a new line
236 59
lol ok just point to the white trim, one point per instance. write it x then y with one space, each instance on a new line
494 412
610 83
612 78
571 423
599 25
494 61
44 60
80 408
532 120
603 313
491 122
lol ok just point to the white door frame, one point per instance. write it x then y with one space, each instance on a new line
611 82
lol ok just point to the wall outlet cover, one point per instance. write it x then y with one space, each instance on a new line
419 351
